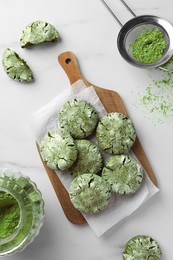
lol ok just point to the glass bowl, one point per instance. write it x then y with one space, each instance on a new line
31 206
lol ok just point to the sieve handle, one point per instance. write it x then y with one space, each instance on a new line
113 14
165 69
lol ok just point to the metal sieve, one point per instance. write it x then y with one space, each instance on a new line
134 27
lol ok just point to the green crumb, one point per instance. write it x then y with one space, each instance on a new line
9 215
38 32
149 46
15 67
158 97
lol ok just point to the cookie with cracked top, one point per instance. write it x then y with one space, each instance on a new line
115 133
58 149
38 32
123 173
89 193
15 67
142 247
89 158
78 117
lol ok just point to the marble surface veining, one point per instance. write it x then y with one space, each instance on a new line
87 29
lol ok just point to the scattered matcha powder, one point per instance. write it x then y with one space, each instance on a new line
157 98
149 46
9 214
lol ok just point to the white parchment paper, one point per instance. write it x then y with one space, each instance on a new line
119 207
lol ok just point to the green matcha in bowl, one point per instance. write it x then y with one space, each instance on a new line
21 212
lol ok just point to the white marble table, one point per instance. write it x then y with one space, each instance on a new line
87 29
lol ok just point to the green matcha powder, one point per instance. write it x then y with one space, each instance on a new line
149 46
9 214
156 99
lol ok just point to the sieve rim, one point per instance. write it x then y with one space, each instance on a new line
161 22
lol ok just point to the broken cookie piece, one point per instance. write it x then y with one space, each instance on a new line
58 149
15 67
123 173
115 133
78 117
89 193
89 158
142 247
38 32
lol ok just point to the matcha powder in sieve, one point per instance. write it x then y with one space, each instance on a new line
149 46
9 214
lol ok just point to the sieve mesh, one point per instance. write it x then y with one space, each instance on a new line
134 27
136 31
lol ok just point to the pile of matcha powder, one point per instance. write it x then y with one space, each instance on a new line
9 214
149 46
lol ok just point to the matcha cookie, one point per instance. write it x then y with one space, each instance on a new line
142 248
89 158
38 32
58 149
78 117
115 133
89 193
15 67
123 173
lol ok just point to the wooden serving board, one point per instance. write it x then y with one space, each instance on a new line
112 103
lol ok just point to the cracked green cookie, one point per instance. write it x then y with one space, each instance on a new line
89 158
89 193
58 149
15 67
115 133
38 32
142 248
78 117
123 173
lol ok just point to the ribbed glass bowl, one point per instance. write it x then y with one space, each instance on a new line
31 206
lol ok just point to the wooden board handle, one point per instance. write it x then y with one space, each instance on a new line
69 63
